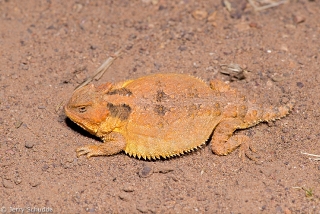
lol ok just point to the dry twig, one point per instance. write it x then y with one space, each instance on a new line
317 157
267 6
101 70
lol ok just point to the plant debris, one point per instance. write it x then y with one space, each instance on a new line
233 70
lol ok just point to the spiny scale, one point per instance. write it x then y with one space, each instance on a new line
158 157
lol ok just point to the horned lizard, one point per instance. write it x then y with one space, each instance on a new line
165 115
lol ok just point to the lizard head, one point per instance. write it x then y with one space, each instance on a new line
87 108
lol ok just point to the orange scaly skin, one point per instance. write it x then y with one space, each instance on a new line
165 115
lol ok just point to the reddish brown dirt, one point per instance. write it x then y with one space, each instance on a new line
49 47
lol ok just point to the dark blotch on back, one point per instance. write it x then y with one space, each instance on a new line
120 91
160 110
121 111
161 96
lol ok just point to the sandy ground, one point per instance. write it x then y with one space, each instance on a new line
49 47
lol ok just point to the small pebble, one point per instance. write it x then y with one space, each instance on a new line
277 78
165 170
253 25
78 7
24 66
35 183
212 17
17 124
45 167
287 211
128 189
200 14
300 84
285 100
146 171
182 48
210 68
18 181
125 197
29 145
298 19
196 65
142 206
7 184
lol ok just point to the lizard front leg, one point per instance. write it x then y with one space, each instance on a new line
113 143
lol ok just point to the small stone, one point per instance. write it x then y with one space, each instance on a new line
17 181
196 65
200 14
290 26
287 211
24 66
10 152
14 76
80 68
93 47
210 68
285 100
279 209
129 47
242 26
45 167
90 210
277 78
165 170
7 184
154 2
125 197
145 172
182 48
29 145
284 47
35 183
298 19
212 17
78 8
300 84
142 206
18 124
128 189
253 25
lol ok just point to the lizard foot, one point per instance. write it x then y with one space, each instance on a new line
89 151
106 148
242 141
245 147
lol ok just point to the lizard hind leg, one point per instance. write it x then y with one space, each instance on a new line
223 142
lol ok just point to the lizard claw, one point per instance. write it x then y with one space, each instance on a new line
89 151
244 149
245 146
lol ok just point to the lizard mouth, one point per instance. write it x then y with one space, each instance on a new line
80 121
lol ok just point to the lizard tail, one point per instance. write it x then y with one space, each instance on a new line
257 114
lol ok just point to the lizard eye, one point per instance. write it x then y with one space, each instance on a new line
82 109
